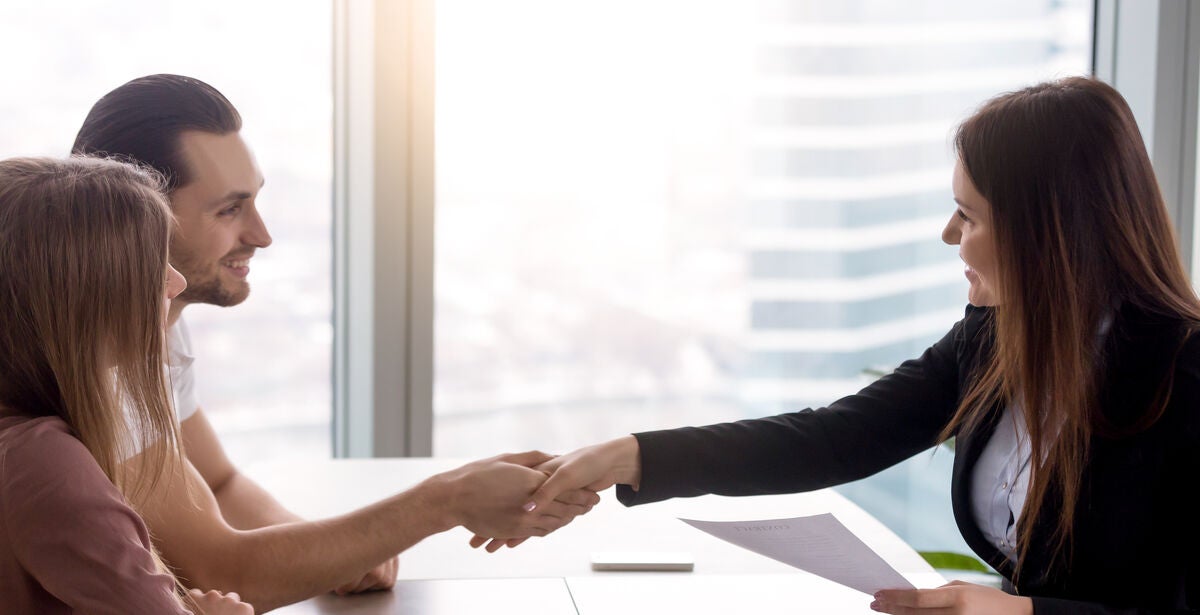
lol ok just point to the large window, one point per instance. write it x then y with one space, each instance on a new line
264 374
648 214
670 212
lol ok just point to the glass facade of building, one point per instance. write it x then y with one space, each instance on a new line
682 212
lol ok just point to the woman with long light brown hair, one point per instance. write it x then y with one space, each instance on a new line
1072 385
84 288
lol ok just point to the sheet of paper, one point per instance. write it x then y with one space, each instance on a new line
819 544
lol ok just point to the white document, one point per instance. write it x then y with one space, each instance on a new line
819 544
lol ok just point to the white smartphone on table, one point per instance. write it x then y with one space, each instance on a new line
642 561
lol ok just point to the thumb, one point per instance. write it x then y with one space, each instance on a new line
548 492
528 459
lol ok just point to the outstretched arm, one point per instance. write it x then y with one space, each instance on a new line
890 420
276 565
244 505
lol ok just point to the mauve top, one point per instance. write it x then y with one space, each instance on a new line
69 543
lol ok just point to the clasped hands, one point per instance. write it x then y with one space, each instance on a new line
532 494
491 498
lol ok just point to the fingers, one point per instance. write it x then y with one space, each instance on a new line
346 587
497 486
908 610
559 482
380 577
389 571
355 586
214 602
528 459
594 468
563 512
367 583
580 497
542 526
554 516
925 601
494 544
570 504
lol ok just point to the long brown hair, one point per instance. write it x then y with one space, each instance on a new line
83 257
1080 228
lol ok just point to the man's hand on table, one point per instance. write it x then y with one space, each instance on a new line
379 578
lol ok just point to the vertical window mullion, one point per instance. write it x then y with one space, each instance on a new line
383 199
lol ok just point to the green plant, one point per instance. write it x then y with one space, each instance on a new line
946 560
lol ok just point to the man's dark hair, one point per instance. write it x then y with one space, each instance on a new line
141 121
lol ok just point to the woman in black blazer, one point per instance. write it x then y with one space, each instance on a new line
1078 342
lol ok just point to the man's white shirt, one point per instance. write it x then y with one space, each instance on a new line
180 373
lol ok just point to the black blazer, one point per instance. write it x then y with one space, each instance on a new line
1136 531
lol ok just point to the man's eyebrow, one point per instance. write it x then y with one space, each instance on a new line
234 195
237 195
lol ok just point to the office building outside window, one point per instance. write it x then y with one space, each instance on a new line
669 212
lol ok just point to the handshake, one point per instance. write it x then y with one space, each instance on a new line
506 499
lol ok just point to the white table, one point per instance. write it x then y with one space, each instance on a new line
553 574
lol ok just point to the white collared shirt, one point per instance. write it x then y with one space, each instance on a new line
181 379
182 372
1000 482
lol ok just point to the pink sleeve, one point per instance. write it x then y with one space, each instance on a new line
73 532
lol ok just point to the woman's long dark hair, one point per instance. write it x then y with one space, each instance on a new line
1080 228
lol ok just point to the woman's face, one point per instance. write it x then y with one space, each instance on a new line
175 285
970 228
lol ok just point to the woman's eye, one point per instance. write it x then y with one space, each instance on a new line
962 215
229 211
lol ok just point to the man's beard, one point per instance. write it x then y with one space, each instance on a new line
206 287
210 291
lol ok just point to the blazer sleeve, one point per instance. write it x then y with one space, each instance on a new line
72 531
890 420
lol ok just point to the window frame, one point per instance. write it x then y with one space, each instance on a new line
383 228
1150 52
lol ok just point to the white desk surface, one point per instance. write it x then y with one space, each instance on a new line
553 574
